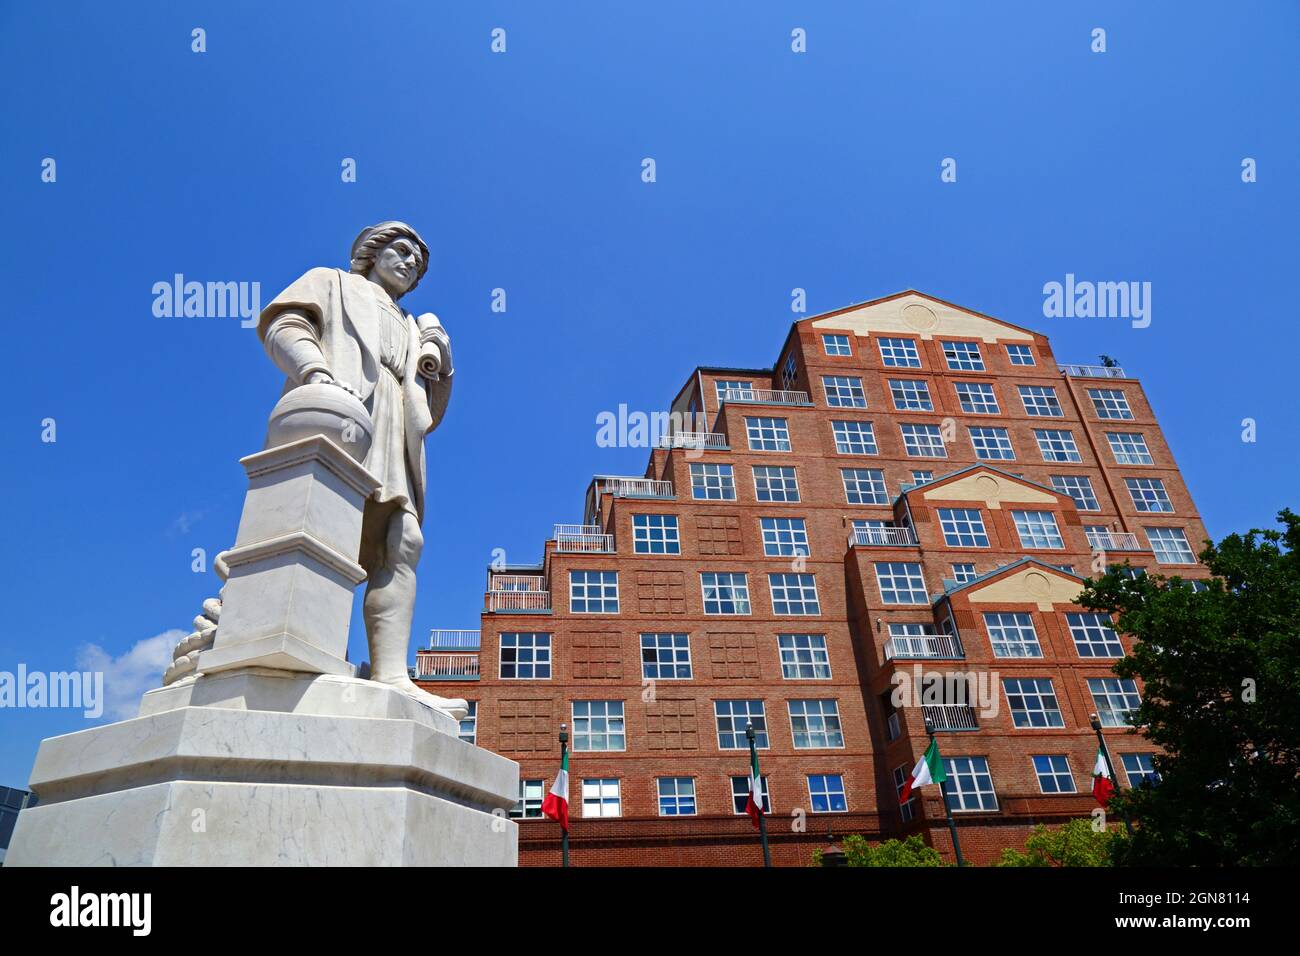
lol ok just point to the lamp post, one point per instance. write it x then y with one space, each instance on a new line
947 810
1110 767
564 834
762 817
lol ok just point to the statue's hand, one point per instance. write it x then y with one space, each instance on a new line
325 377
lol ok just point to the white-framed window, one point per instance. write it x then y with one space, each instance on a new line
1140 769
593 592
1012 634
1020 355
1032 702
963 528
676 796
775 483
901 582
854 438
1078 487
468 731
804 657
655 534
922 477
525 656
1041 401
1170 545
923 441
1115 699
992 444
899 353
1110 403
1129 448
601 797
531 795
794 594
815 724
1057 444
969 785
1053 772
901 776
740 794
732 717
712 482
963 356
844 391
768 434
1093 635
725 592
977 398
733 389
911 395
598 726
665 656
826 793
864 486
1148 494
836 344
1037 529
963 571
784 537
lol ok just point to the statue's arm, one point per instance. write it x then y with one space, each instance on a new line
294 345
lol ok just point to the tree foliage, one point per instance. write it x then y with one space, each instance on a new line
1074 844
909 852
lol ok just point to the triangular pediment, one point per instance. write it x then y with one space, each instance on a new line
990 486
914 313
1030 583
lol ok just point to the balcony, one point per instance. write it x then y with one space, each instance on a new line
1114 541
583 539
928 646
438 665
634 487
445 640
518 592
1092 371
763 396
888 535
694 440
951 716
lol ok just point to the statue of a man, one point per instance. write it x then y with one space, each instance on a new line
346 329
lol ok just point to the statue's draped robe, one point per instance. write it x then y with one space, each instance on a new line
356 327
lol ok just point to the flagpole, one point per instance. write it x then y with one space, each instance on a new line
1110 767
762 817
564 831
947 810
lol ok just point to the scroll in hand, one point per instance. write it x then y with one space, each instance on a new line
435 348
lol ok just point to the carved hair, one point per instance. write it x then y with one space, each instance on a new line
366 250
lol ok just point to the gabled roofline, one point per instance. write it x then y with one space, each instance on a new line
980 466
988 575
923 295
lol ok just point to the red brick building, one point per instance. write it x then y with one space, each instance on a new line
889 524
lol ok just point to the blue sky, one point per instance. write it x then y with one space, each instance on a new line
775 170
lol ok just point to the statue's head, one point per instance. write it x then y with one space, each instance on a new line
393 254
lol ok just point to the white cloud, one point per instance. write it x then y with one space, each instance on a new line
128 676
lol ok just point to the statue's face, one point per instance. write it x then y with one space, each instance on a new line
397 266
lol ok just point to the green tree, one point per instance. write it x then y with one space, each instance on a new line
1074 844
909 852
1221 669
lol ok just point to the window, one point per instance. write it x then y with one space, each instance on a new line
963 528
732 717
844 391
922 477
1093 636
1032 701
1012 635
910 395
676 796
593 592
836 344
899 353
1054 775
725 593
1126 572
655 534
1129 448
1170 545
666 656
923 441
1020 355
1148 494
740 794
1078 487
963 572
815 724
600 797
531 794
804 657
1140 769
598 725
977 398
963 356
525 656
854 438
1040 401
1110 403
789 372
1037 529
900 582
794 594
469 723
712 483
734 390
992 444
901 776
1115 700
775 483
864 486
1057 445
969 785
826 793
784 537
768 434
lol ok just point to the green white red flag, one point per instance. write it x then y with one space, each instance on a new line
929 769
556 804
1102 785
754 805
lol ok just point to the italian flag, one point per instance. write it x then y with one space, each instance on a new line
1102 787
929 769
556 804
754 805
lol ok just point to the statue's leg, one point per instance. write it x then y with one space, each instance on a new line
389 607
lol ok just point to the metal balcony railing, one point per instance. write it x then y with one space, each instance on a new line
583 538
694 440
635 487
891 534
764 396
519 600
922 646
1092 371
450 640
437 665
951 716
1114 541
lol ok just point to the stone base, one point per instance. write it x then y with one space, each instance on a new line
251 768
